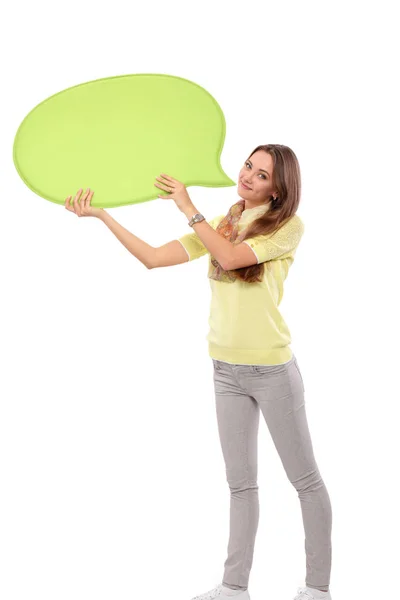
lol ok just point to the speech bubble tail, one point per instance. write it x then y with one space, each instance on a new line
216 177
225 180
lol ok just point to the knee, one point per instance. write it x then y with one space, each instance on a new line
242 485
241 477
308 482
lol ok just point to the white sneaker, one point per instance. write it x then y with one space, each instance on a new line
306 593
223 593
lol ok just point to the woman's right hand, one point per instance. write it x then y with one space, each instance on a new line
84 208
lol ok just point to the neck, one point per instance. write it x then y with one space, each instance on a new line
249 205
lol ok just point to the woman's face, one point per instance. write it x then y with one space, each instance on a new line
257 174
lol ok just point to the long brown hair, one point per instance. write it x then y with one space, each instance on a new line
287 180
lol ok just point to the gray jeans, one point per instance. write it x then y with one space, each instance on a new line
240 392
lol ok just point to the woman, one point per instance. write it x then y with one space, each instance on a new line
251 250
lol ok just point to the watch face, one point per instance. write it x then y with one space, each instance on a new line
196 218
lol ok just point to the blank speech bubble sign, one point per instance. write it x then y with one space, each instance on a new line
116 135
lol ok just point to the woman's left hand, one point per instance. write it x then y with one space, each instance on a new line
177 191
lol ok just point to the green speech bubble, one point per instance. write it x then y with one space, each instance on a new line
116 135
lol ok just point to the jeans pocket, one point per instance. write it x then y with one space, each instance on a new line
299 372
278 369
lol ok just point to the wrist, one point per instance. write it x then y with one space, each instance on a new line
189 211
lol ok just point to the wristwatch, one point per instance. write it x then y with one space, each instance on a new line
196 219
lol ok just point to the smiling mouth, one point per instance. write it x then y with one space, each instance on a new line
245 186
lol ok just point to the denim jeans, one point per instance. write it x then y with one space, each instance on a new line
240 392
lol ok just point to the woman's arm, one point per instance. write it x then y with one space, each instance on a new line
140 249
167 255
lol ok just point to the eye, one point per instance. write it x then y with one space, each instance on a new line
262 174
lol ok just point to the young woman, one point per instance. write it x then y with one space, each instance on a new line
250 252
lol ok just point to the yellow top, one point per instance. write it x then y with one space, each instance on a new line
246 326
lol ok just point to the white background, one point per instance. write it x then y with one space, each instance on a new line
112 477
